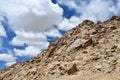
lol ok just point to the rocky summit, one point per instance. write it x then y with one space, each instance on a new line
90 51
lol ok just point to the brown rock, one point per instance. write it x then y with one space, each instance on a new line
71 68
92 31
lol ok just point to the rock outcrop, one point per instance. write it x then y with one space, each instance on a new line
90 51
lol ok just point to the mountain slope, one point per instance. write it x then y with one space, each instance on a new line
87 52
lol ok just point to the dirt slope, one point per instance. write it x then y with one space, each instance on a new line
90 51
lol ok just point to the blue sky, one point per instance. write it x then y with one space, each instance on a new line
26 28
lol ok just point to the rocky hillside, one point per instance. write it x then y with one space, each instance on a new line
90 51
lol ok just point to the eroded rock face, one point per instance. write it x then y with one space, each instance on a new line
87 49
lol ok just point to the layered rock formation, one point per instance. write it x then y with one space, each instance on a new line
90 51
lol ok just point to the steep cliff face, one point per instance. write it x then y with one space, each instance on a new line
90 51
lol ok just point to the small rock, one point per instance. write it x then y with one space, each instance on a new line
113 48
92 31
87 22
98 67
71 68
113 27
87 42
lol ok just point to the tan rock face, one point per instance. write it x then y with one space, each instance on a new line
87 52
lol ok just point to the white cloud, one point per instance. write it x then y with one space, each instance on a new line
67 24
95 10
17 42
53 32
29 20
29 38
32 15
2 31
29 51
10 63
7 57
90 11
70 3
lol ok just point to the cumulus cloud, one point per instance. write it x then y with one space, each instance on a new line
67 24
70 3
29 51
9 63
92 12
95 10
53 32
2 31
7 57
32 15
29 38
30 19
